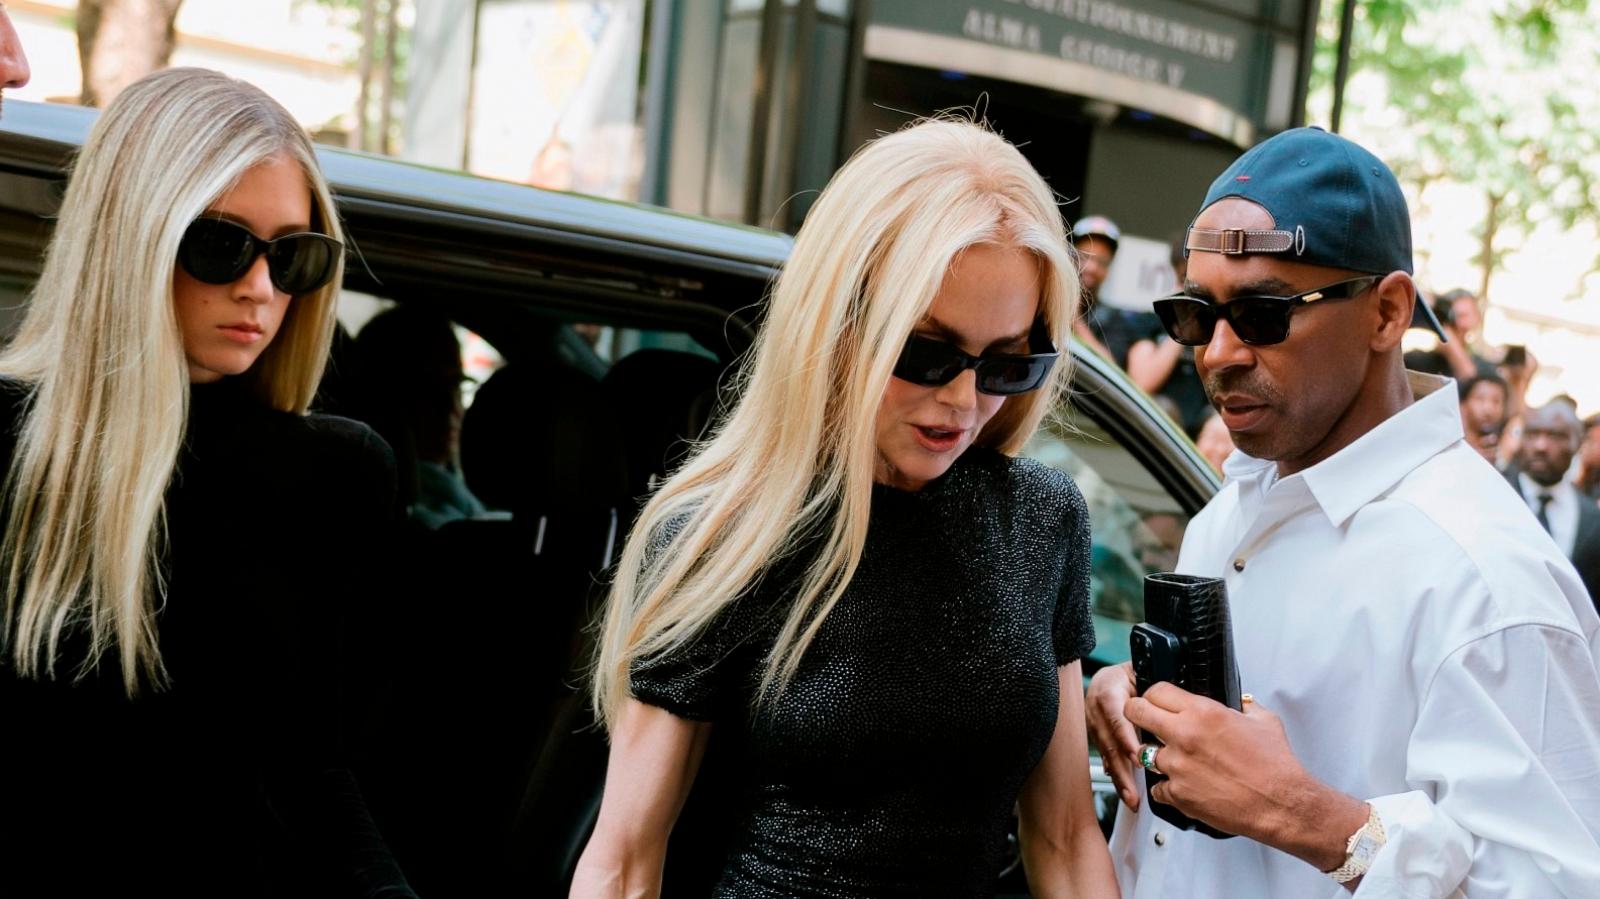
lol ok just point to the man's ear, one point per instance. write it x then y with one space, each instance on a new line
1397 299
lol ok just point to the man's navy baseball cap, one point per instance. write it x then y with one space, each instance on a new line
1332 203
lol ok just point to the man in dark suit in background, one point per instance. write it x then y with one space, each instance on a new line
1550 438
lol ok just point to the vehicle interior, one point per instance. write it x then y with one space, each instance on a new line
574 400
535 381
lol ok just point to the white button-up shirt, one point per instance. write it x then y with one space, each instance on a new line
1428 649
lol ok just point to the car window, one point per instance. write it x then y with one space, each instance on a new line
414 372
14 291
1136 524
1136 528
403 370
613 343
522 442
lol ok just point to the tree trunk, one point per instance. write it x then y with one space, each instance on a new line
369 19
1422 254
121 41
391 39
1491 226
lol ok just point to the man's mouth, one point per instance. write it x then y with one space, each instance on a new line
1240 412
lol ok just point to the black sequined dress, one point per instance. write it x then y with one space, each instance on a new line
891 764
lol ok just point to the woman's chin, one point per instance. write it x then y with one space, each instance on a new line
914 469
208 371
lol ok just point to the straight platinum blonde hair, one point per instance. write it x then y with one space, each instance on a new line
102 359
794 460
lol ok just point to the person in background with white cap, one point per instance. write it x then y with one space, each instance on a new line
1427 714
1164 368
1094 238
1125 335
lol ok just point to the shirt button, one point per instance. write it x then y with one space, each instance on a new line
1161 838
1238 564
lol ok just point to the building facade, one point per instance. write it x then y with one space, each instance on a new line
742 109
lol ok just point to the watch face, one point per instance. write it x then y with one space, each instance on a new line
1366 849
1365 845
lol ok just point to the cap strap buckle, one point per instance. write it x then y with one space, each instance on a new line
1239 241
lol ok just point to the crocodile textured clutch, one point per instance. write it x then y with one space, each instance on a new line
1195 611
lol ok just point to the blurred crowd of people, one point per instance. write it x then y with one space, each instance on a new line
1548 453
1137 343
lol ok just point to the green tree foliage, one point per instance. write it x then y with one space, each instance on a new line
1501 95
381 64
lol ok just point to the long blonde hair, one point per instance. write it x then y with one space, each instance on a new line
795 458
102 360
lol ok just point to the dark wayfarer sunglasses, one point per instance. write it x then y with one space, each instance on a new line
218 251
1257 320
933 363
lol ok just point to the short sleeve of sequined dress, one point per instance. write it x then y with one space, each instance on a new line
709 677
706 679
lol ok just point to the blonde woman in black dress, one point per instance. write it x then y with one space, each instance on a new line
180 536
857 574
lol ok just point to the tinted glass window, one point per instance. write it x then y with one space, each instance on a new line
1137 526
416 374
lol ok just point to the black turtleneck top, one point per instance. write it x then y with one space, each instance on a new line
891 764
233 781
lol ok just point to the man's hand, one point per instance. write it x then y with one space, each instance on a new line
1458 354
1237 772
1116 739
1151 362
1518 377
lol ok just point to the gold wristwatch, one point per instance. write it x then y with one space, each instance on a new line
1361 850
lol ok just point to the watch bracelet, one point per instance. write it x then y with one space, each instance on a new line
1354 866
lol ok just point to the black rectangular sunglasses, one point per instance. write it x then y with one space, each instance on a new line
1257 320
217 251
928 362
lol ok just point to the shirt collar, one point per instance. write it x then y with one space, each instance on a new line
1361 472
1240 466
1531 489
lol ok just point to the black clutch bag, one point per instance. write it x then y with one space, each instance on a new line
1186 640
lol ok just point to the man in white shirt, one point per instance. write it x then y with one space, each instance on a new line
1426 714
1550 438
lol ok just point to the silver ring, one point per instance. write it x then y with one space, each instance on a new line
1147 758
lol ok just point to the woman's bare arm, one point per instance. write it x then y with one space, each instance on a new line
1062 848
653 761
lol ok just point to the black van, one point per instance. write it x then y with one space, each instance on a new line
598 335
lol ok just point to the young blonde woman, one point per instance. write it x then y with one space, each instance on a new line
179 536
856 577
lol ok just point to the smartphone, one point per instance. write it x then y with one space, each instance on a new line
1516 356
1155 656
